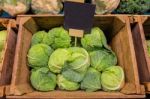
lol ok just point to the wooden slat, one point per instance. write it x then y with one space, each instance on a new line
20 71
1 91
140 32
76 95
8 57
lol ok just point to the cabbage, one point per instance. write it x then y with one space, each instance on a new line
94 40
148 47
43 80
91 81
101 59
41 37
38 55
73 75
112 78
3 36
65 84
79 60
61 38
46 6
57 60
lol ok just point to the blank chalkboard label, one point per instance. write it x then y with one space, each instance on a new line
79 16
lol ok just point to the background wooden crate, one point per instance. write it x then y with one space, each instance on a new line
141 32
118 33
9 50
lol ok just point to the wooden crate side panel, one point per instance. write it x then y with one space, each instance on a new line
20 81
21 84
144 31
8 56
122 43
133 57
3 25
76 95
139 39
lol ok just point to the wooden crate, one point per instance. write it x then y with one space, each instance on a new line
6 64
118 32
141 32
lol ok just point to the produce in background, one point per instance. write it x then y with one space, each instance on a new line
57 60
95 40
102 59
15 7
46 6
112 78
65 84
38 55
42 79
3 37
133 6
41 37
148 47
60 38
105 6
92 80
1 3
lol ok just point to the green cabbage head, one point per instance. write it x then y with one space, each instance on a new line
91 81
76 65
94 40
61 38
112 78
73 75
38 55
148 47
65 84
3 36
41 37
58 59
102 59
79 60
42 79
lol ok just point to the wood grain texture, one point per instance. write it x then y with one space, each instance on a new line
8 57
1 91
75 95
118 33
140 32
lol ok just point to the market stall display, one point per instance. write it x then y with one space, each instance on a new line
120 41
42 57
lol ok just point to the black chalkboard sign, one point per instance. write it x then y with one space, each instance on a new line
79 16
